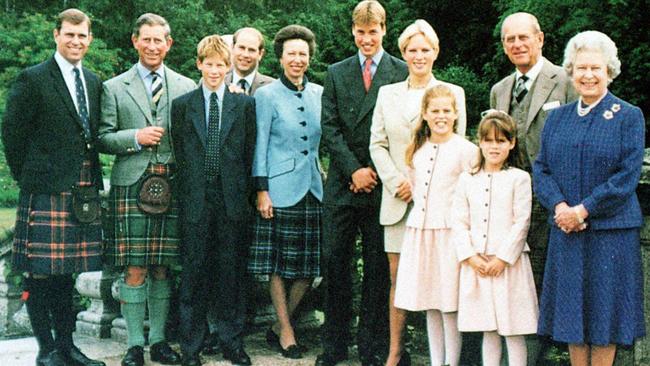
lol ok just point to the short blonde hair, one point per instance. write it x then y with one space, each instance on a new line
422 27
211 46
593 41
369 12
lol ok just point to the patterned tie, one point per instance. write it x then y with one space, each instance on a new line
242 84
367 74
156 88
212 158
520 88
81 103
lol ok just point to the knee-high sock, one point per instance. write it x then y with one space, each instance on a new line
435 333
61 289
158 300
491 349
133 300
453 339
517 351
38 311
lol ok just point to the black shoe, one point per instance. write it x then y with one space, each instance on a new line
211 345
74 357
162 353
272 339
330 359
293 352
194 360
53 358
405 359
134 357
237 356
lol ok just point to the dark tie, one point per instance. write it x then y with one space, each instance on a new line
212 158
242 84
367 74
156 88
81 103
520 88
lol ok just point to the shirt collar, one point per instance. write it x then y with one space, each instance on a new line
375 58
207 92
144 72
65 65
289 84
533 72
249 78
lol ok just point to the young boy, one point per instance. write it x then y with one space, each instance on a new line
213 133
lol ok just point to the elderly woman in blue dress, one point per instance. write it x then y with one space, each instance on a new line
287 235
586 175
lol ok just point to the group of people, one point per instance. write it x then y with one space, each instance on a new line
445 226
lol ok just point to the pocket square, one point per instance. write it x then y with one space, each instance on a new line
551 105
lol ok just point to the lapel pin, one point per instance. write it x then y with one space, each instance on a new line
608 114
616 107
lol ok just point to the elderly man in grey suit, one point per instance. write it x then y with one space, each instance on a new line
528 94
247 52
144 239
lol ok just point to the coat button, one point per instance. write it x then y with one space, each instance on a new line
485 236
299 95
484 220
487 190
429 171
304 138
304 152
486 205
426 183
302 109
303 123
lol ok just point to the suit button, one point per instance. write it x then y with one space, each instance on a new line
303 123
302 109
304 152
299 95
304 138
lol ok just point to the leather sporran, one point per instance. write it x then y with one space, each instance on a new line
155 195
86 205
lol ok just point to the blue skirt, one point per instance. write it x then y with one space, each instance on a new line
593 288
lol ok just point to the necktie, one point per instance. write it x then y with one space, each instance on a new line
156 88
520 88
212 158
367 74
81 103
242 84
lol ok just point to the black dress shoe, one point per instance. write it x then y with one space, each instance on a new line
211 345
237 356
76 358
194 360
293 351
272 339
330 358
162 353
53 358
134 357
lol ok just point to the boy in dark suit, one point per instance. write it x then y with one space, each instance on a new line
213 133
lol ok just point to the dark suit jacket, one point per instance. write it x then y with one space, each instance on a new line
346 119
42 132
189 133
259 81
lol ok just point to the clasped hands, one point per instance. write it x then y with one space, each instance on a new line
365 180
149 135
487 265
570 219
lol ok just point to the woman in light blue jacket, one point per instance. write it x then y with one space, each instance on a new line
286 241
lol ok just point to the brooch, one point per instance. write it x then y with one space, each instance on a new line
616 107
608 115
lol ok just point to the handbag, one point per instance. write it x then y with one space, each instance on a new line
86 205
154 196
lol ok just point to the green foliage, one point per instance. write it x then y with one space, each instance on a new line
475 87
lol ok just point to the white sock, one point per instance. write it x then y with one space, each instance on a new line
517 351
453 339
491 349
436 339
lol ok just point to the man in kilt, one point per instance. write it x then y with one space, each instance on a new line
49 131
135 127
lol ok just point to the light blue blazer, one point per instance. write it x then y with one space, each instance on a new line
288 135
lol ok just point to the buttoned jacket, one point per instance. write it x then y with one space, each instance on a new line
491 214
288 135
126 108
433 179
391 133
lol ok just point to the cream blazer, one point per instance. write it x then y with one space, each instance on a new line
492 214
393 124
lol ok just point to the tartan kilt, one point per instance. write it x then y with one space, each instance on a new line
289 244
49 240
134 238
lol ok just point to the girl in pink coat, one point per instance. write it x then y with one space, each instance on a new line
491 216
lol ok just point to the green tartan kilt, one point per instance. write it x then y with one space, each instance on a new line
134 238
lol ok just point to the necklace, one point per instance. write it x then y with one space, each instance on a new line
583 111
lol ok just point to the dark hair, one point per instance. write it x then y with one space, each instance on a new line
294 31
151 19
498 123
72 16
422 131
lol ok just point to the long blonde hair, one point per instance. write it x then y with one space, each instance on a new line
422 131
498 123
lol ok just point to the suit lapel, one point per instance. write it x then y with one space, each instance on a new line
197 115
542 89
135 88
62 89
505 94
227 114
257 83
382 77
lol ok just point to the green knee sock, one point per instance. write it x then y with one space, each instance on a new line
133 310
159 294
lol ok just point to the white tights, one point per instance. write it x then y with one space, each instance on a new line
517 352
444 338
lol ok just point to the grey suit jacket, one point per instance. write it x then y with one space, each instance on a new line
259 81
552 85
126 108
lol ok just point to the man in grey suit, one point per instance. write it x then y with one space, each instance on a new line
528 94
135 127
247 52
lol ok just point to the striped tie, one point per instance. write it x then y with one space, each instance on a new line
520 88
156 88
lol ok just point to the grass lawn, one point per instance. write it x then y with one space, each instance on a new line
7 217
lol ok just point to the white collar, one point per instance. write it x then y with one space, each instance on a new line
532 73
65 65
249 78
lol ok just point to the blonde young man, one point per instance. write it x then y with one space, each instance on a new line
352 192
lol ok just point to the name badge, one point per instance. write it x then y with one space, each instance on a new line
551 105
